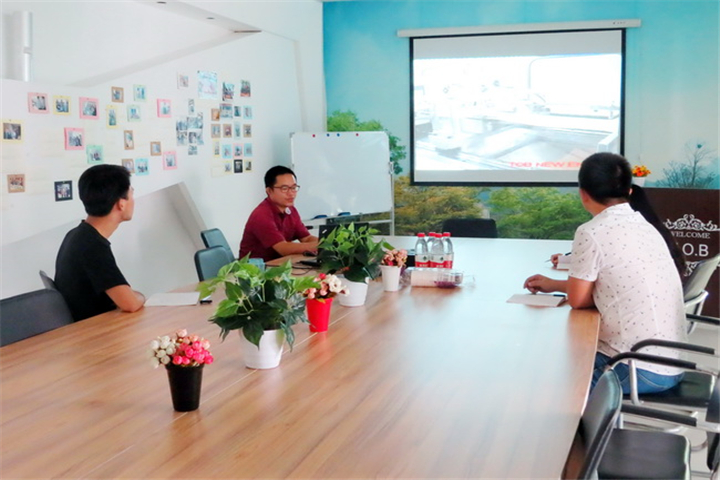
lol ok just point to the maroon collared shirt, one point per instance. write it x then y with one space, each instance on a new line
267 226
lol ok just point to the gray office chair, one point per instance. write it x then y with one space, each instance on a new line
654 454
31 314
596 424
210 260
214 238
48 282
694 287
471 227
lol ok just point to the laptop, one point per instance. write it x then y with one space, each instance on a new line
323 232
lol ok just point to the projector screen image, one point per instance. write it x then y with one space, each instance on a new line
514 109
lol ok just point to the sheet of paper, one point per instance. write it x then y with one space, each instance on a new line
563 262
172 299
538 299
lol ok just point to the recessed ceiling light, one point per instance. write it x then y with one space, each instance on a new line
211 18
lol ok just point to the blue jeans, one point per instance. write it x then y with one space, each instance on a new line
648 382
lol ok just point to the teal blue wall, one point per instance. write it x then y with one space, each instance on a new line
672 64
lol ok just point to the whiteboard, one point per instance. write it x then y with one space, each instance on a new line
342 172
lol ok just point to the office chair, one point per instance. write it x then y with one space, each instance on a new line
471 227
694 287
656 454
31 314
48 282
210 260
597 422
214 238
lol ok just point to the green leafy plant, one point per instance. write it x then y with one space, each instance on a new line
352 252
258 300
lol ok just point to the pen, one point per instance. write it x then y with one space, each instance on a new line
549 259
558 294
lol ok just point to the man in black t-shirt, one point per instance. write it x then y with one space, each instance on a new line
85 270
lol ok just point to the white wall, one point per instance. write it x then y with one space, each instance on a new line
83 49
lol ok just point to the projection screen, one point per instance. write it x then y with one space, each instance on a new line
514 108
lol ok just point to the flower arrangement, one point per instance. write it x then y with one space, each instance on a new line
640 171
395 258
183 350
328 287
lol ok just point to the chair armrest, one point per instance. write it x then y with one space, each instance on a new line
653 342
670 417
691 317
670 362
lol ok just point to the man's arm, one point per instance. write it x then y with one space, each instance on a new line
127 299
579 292
307 244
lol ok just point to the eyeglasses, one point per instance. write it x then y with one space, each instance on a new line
286 189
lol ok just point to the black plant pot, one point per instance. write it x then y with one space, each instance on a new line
185 385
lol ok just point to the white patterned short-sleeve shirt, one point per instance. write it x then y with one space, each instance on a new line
637 288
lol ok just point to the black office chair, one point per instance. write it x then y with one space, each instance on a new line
31 314
210 260
654 454
471 227
214 238
597 421
48 282
694 287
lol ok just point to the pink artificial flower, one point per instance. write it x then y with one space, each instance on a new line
177 360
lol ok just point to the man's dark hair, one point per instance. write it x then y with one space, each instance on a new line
605 177
274 172
101 186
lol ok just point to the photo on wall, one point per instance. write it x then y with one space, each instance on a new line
207 85
12 131
249 112
133 113
163 107
248 150
139 93
245 88
74 139
38 103
111 116
247 130
227 130
215 131
63 190
89 108
128 140
228 91
248 165
237 111
129 164
238 165
169 161
155 149
226 110
16 183
183 81
61 105
142 166
94 154
117 94
226 152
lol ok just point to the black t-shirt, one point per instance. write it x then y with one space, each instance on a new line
84 269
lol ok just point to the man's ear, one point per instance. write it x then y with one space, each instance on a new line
121 204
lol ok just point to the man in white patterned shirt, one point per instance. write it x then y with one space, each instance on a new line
621 265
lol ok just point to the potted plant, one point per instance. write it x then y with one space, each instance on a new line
392 264
640 173
353 253
184 357
319 300
263 304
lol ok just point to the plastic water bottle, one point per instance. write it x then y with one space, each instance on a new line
421 252
437 251
448 247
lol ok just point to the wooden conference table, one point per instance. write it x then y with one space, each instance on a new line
420 383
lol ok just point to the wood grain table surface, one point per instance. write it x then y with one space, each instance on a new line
422 383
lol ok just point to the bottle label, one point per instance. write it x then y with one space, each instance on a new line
437 261
448 260
422 260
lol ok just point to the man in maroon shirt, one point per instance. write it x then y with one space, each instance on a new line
274 225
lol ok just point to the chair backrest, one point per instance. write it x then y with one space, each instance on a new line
598 421
48 282
214 238
471 227
698 280
210 260
31 314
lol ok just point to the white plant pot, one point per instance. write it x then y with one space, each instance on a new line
639 181
390 278
268 354
357 295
